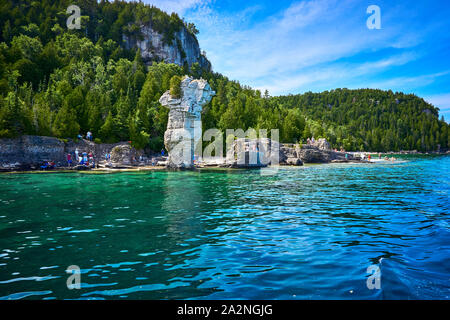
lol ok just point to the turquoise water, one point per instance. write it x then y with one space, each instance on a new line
303 233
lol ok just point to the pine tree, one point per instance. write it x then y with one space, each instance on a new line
65 124
108 131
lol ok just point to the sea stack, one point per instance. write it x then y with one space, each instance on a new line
184 127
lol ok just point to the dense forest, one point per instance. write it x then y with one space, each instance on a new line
60 82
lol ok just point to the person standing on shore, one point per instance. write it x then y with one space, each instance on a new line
76 155
69 160
91 158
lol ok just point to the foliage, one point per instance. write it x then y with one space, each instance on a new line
175 87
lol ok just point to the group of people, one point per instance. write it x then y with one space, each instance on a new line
88 159
363 157
48 165
89 136
82 158
310 141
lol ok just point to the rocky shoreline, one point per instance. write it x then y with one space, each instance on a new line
27 153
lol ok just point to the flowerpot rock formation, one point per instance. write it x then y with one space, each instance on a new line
184 127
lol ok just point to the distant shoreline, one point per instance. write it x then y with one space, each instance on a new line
413 152
28 153
106 170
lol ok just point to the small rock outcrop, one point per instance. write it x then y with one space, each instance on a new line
322 144
312 154
318 151
248 153
294 162
289 155
123 155
184 128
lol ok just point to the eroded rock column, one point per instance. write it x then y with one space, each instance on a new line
184 128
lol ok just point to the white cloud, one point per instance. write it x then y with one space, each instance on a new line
408 83
442 101
285 47
336 75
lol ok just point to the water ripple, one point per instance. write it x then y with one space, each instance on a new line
301 233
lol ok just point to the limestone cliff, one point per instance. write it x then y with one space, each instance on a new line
183 49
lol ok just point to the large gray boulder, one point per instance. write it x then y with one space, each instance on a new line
184 127
293 162
123 155
312 154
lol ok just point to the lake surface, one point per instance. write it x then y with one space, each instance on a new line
300 233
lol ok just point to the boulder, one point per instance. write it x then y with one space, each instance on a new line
322 144
251 153
124 155
294 162
312 154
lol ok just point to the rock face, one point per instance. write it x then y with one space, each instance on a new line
312 154
26 151
184 128
289 155
322 144
184 48
29 152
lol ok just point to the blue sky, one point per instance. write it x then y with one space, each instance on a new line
316 45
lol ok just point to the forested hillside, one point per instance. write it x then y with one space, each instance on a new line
368 119
60 82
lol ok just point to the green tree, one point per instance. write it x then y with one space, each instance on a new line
65 124
108 131
175 87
